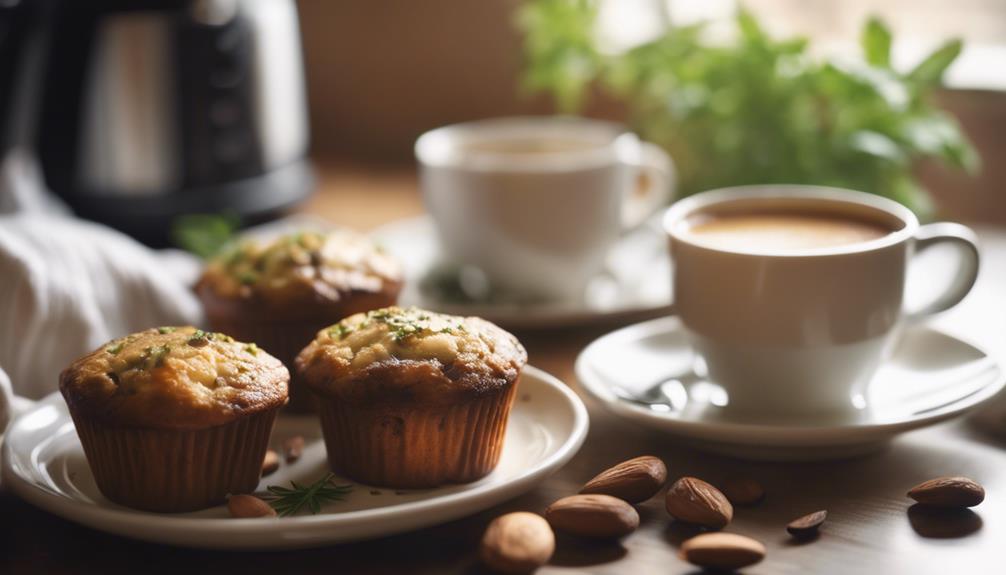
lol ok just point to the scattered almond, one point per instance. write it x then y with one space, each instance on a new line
948 492
743 490
807 526
593 515
634 480
694 501
517 543
722 551
293 448
270 463
249 506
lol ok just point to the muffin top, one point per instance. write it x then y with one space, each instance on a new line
174 378
405 355
313 265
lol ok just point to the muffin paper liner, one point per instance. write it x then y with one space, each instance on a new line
176 470
416 446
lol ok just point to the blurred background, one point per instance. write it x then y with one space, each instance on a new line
378 75
141 112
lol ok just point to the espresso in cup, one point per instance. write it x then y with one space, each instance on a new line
793 295
527 146
782 231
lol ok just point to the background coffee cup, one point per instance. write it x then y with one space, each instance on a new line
802 332
535 203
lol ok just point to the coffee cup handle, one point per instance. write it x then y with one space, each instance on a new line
966 243
651 186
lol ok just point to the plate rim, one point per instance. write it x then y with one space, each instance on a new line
527 317
766 435
452 506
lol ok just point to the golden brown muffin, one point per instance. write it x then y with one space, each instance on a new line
280 293
411 398
174 419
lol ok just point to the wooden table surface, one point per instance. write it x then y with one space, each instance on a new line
870 528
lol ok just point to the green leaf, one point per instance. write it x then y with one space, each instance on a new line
749 26
876 42
878 145
559 51
204 234
939 135
930 71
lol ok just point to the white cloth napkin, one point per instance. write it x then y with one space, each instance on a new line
67 285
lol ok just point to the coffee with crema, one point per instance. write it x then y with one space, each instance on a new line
762 232
529 146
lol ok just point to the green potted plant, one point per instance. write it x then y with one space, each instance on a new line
757 109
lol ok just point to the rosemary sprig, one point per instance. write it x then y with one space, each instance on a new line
289 501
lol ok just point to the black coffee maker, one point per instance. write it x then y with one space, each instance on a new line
141 111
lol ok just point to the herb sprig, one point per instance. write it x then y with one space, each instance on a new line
291 500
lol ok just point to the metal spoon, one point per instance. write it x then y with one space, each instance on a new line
666 394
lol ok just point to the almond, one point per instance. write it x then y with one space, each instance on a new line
722 551
517 543
694 501
249 506
743 490
293 448
948 492
807 526
270 463
593 515
634 480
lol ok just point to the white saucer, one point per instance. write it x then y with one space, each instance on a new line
637 285
929 378
43 463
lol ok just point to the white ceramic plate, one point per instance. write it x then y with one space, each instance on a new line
930 377
637 283
43 463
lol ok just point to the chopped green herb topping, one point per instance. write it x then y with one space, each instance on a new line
163 330
402 324
379 314
247 277
339 331
199 338
236 256
115 348
154 356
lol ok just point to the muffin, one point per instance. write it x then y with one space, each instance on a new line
174 419
410 398
280 293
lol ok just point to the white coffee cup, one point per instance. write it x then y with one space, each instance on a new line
535 203
800 333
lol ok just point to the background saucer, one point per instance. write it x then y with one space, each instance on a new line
44 464
637 283
929 378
